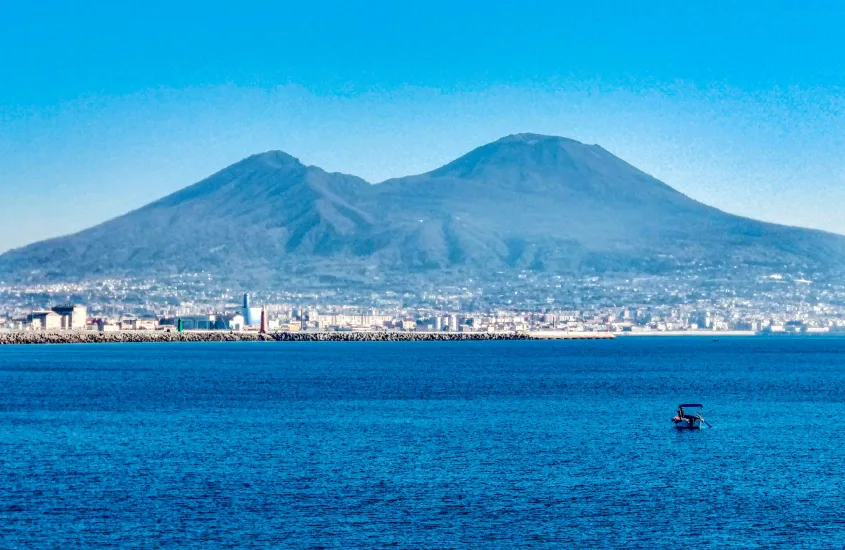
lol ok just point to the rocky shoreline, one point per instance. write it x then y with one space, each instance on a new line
86 337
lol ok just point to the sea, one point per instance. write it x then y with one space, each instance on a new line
563 444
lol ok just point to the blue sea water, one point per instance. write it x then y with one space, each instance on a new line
465 444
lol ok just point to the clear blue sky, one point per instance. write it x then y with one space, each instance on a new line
104 107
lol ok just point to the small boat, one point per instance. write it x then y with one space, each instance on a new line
686 421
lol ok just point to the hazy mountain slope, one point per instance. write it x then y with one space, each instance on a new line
268 205
535 187
523 202
549 202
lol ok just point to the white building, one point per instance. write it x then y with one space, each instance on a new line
74 317
44 320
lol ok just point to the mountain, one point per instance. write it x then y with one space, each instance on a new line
524 202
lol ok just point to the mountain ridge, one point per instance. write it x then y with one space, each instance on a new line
525 201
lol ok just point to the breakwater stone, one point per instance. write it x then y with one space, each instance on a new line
88 337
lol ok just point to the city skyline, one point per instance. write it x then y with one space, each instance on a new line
109 112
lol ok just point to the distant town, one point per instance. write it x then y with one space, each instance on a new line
772 303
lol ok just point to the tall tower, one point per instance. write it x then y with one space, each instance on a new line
247 314
263 329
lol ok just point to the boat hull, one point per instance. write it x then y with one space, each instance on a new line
687 423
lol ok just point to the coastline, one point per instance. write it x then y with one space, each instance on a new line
162 336
699 333
85 337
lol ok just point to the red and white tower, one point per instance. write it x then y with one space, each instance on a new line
263 329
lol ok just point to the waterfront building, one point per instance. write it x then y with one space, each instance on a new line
44 320
345 320
72 316
230 322
134 323
197 322
246 310
213 322
251 315
104 326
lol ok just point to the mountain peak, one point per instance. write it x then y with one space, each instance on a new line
534 139
272 159
262 164
518 154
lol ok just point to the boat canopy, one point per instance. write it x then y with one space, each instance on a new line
691 406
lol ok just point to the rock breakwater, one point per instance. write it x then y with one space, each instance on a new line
86 337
